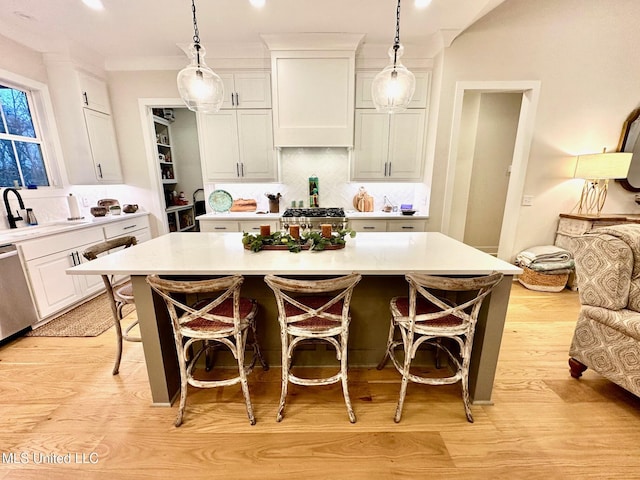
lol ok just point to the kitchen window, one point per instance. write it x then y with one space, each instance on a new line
22 161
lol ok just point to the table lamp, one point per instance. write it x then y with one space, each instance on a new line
596 170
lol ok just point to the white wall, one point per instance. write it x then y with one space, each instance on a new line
584 53
493 153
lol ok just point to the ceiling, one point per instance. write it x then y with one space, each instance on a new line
129 30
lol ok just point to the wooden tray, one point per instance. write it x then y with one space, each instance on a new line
302 247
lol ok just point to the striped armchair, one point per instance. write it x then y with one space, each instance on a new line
607 334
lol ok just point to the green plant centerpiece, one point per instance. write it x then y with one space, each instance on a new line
307 241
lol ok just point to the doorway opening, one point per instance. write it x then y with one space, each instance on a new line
491 137
171 141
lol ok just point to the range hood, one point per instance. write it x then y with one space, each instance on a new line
313 88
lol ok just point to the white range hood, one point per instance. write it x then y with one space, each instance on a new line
313 88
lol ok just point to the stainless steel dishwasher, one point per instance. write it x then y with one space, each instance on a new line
17 312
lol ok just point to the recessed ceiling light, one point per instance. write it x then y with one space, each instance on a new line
94 4
257 3
422 3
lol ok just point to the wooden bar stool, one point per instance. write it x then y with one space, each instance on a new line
222 318
314 310
427 317
119 292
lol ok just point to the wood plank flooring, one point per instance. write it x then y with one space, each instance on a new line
58 397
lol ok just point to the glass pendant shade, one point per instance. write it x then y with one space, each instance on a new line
200 87
393 88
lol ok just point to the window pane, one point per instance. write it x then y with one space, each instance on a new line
2 129
16 111
32 165
8 165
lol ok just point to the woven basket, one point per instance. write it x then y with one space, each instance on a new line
543 282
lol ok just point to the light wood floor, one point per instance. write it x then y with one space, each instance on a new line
57 396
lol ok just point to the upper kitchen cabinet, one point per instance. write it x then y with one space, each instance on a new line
363 90
87 135
95 95
246 90
237 146
388 146
313 88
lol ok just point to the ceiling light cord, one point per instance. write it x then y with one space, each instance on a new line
196 33
396 40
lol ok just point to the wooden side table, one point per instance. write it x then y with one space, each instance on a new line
572 225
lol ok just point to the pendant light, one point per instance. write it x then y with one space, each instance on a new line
200 87
392 88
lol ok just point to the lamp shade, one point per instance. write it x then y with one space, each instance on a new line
393 88
603 165
200 87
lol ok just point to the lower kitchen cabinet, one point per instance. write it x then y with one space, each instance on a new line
394 225
250 226
47 258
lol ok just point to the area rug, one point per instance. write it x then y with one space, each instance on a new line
87 320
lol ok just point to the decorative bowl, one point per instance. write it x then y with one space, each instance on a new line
408 212
130 208
98 211
108 202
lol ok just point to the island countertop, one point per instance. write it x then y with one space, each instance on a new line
383 258
369 253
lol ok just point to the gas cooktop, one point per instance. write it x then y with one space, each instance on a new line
314 212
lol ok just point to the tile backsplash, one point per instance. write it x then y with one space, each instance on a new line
331 166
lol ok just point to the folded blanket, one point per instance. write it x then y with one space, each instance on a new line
543 254
557 268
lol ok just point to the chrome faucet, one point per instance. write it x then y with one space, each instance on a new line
10 217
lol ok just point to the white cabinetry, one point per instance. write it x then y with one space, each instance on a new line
94 93
388 147
392 225
85 125
313 89
47 260
363 90
237 145
246 90
251 226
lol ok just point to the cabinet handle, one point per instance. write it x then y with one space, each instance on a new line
100 170
368 228
389 168
237 100
219 228
405 227
237 169
385 169
128 227
73 258
233 103
85 98
242 168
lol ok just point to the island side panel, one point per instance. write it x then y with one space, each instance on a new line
487 340
158 343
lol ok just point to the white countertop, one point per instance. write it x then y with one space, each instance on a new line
370 253
351 214
239 216
21 234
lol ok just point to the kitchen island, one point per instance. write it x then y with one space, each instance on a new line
382 258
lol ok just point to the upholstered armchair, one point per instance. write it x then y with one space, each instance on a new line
607 335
